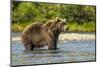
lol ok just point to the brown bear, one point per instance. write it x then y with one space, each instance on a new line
39 35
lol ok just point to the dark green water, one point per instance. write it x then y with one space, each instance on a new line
69 51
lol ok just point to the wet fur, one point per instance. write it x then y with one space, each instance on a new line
38 35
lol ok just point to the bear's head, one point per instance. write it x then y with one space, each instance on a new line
61 25
57 26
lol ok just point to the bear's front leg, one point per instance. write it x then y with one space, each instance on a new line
56 40
55 43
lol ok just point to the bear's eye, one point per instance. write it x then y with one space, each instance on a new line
64 23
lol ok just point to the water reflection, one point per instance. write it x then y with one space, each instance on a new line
70 51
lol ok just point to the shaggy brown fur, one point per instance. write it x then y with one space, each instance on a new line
39 35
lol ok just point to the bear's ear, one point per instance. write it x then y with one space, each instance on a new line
57 19
64 20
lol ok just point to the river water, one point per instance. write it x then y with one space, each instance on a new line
68 51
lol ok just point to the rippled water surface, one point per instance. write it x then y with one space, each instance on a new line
69 51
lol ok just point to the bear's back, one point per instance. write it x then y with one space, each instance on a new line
33 28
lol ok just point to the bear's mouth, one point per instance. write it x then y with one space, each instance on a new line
67 28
